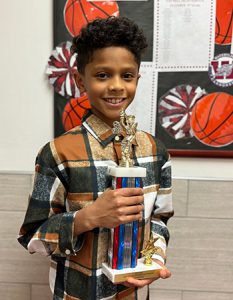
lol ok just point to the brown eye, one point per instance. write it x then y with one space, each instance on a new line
128 76
102 75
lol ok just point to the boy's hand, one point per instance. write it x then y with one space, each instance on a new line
132 282
120 206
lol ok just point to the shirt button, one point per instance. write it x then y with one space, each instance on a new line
67 252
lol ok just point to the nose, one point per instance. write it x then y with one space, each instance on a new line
116 84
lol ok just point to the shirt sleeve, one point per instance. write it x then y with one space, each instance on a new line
48 228
163 209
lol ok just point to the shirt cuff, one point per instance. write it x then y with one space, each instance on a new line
68 244
160 258
160 254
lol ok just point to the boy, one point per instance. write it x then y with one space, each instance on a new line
72 205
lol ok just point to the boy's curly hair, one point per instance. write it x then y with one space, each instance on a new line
101 33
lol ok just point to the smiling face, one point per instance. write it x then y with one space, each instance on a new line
110 81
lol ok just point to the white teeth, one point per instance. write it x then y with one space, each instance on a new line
114 101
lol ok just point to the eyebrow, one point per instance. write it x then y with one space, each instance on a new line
107 68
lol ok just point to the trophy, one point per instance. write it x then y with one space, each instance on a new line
123 259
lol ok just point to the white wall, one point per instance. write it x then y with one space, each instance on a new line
202 168
26 114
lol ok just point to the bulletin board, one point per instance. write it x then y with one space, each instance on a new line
185 93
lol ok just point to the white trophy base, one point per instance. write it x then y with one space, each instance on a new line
140 272
127 172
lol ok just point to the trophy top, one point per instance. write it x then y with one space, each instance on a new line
127 125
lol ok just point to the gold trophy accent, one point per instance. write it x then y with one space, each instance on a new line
128 125
149 250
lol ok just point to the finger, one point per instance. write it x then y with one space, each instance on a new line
165 273
132 209
129 192
127 201
123 202
130 218
135 200
139 282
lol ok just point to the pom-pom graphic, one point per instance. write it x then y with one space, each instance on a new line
77 13
73 111
212 119
61 68
224 21
175 108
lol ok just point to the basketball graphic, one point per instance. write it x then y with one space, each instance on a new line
212 120
77 13
73 111
175 108
61 67
224 21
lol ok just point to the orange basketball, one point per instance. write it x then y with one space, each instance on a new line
78 13
73 111
224 21
212 119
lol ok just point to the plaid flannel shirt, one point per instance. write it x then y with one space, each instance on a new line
70 173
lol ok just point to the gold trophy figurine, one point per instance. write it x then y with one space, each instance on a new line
127 123
149 250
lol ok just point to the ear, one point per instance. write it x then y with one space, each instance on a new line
79 82
139 76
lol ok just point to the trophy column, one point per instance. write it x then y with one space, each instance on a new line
123 250
123 241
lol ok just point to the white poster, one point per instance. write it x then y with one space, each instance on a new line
184 34
144 104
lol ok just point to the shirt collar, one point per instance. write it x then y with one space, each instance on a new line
100 130
97 128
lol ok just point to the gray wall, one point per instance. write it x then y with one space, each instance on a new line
200 252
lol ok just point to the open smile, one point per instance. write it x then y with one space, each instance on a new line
114 100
